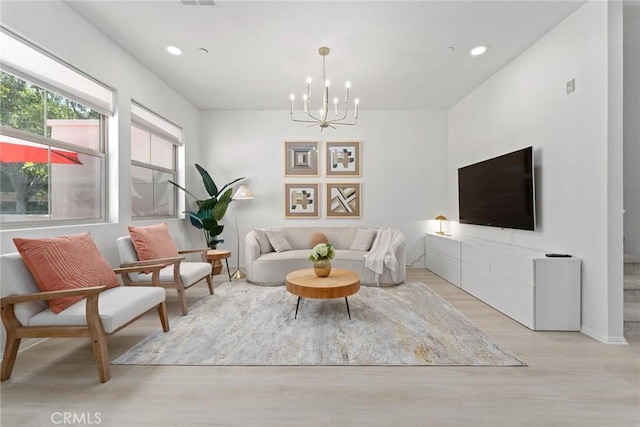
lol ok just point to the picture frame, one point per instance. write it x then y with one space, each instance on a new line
344 200
301 158
343 158
301 200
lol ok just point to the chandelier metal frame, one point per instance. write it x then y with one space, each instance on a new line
322 119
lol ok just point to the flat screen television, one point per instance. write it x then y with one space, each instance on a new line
499 192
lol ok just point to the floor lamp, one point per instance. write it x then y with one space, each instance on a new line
242 193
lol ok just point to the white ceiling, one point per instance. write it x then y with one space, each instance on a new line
394 53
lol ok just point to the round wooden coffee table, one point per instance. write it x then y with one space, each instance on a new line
340 283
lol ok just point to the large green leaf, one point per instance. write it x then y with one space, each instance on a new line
223 203
207 205
194 219
207 181
209 223
230 183
183 189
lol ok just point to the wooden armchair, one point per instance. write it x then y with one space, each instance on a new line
101 313
178 274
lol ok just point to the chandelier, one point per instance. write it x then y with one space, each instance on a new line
323 118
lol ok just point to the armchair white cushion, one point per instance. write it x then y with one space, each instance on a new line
179 274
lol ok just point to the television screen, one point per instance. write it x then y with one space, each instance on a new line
498 192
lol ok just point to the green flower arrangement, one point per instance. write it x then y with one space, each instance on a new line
322 251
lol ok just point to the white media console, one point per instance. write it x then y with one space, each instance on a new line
540 292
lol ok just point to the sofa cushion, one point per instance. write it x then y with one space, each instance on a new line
263 241
153 242
317 238
364 239
66 262
278 240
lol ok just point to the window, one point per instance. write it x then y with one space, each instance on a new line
53 121
154 143
51 156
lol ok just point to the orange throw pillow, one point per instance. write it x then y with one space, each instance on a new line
65 262
153 242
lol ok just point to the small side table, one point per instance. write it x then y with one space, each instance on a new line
214 255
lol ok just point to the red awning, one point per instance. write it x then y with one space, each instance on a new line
20 153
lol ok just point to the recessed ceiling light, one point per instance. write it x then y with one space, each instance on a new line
479 50
174 50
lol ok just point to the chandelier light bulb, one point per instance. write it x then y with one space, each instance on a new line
309 80
347 85
326 83
335 100
292 97
305 97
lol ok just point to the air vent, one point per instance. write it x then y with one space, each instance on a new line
197 2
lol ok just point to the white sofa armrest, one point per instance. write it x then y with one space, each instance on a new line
251 252
399 247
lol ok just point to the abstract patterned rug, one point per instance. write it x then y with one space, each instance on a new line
244 324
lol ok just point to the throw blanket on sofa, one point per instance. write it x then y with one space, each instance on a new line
382 254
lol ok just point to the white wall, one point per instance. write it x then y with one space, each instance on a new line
525 104
403 168
632 128
58 29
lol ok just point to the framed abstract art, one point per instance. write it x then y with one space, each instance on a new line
301 200
343 158
301 158
344 200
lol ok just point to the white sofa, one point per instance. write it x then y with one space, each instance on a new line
270 267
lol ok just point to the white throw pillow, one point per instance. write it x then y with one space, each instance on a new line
364 239
263 241
278 241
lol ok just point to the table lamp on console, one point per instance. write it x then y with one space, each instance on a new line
441 218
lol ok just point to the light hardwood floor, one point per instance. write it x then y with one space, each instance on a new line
570 380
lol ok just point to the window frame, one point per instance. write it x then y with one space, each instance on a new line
55 143
173 139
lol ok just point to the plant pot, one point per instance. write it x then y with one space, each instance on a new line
322 267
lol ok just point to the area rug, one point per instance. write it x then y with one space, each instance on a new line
244 324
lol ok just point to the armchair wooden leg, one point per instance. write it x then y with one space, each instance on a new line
164 320
183 302
101 353
98 339
9 359
12 343
210 284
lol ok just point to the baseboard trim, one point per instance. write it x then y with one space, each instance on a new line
613 340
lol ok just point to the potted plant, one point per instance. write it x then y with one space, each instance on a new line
210 210
321 256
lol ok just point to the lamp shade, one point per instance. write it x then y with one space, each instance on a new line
441 217
243 193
